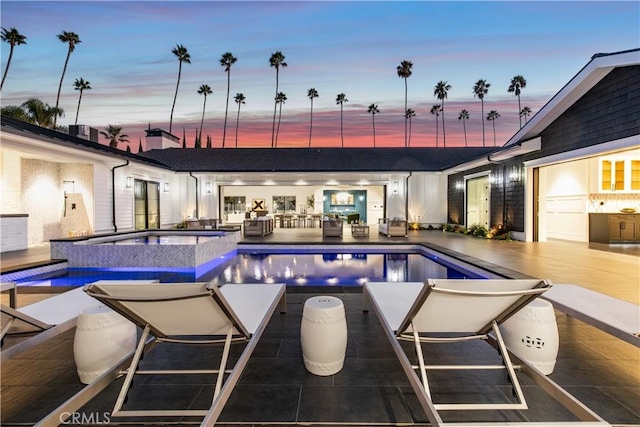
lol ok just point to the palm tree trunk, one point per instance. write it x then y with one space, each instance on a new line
519 109
464 126
311 123
494 131
4 76
482 118
405 111
224 129
64 70
374 129
409 140
275 106
444 135
237 124
175 97
278 129
204 104
341 131
78 110
436 131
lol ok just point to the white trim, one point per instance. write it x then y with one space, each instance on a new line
631 142
477 174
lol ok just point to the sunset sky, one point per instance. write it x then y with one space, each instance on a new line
335 47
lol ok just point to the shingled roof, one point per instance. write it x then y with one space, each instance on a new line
315 159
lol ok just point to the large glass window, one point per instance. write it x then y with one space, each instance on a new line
284 204
235 205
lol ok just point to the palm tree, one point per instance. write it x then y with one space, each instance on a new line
311 93
281 97
239 98
480 89
408 115
226 61
373 110
517 84
41 114
204 90
112 133
441 90
183 56
464 116
72 39
80 85
276 60
436 109
404 72
14 38
525 112
14 112
492 116
341 99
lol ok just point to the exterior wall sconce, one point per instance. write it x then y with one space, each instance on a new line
459 185
166 187
129 182
514 173
395 187
207 186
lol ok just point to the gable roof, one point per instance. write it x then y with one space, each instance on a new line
315 159
51 136
591 74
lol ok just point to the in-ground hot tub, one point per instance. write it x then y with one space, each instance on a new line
157 248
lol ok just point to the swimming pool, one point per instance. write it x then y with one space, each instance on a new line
294 268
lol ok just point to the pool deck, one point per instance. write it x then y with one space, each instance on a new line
275 389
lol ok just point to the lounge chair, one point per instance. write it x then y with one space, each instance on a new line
451 311
192 313
46 318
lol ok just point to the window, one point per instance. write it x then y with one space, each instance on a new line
284 204
235 205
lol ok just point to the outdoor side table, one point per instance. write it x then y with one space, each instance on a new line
102 339
532 334
359 230
323 335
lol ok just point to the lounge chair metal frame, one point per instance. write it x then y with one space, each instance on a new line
423 327
208 308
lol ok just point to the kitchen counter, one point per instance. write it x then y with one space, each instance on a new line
614 227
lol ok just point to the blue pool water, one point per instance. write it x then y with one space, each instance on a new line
293 269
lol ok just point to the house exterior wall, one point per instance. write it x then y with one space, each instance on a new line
607 112
428 198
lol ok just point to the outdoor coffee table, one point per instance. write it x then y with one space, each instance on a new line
359 230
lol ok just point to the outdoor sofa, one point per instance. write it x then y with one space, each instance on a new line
393 227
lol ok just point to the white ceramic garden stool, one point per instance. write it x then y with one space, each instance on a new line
532 335
323 335
102 339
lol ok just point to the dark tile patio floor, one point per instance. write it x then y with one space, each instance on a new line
275 388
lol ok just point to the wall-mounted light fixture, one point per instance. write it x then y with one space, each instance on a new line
129 182
515 174
69 186
166 187
361 198
459 185
207 186
395 187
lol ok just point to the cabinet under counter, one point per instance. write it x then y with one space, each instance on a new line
614 227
